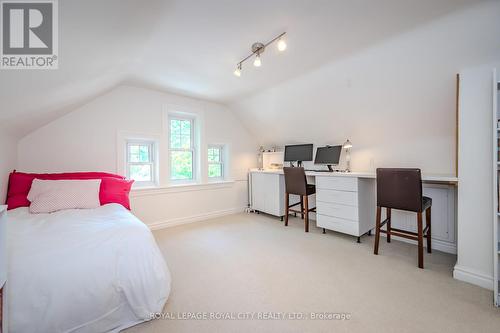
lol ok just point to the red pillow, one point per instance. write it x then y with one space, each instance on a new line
20 185
114 190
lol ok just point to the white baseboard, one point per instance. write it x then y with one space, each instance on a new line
194 218
473 276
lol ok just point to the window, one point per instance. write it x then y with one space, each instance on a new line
215 162
182 150
141 162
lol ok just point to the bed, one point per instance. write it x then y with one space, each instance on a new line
82 270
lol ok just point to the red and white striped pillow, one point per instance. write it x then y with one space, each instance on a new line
48 196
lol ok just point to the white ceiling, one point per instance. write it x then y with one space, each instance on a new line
191 47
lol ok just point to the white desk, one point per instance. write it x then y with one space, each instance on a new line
346 202
426 178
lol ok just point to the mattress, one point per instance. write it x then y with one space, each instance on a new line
82 270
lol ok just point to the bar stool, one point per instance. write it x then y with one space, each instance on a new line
296 183
402 189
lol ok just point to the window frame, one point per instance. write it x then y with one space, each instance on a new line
221 162
153 160
192 149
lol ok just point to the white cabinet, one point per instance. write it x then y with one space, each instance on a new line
345 204
268 193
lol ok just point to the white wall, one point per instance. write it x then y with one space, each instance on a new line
87 139
475 190
395 101
8 159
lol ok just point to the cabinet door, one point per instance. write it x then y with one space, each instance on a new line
266 193
258 191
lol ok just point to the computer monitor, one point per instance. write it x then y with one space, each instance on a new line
299 153
329 155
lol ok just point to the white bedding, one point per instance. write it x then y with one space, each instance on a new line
88 270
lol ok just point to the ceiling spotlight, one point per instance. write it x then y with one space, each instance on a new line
237 71
257 61
259 48
281 45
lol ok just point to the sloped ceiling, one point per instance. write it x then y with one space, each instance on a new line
191 47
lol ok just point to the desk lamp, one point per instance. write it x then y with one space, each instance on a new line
347 146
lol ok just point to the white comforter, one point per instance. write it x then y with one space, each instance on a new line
89 270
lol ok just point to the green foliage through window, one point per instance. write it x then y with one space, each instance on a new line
181 166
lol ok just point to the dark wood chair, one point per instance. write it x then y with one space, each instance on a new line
402 189
296 183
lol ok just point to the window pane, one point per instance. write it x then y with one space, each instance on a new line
175 127
139 153
175 141
141 173
175 132
215 170
144 154
214 155
186 127
133 153
185 141
181 165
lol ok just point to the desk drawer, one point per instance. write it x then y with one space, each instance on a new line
337 210
339 197
336 224
337 183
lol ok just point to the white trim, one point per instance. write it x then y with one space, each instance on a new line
496 252
473 276
140 192
194 218
121 149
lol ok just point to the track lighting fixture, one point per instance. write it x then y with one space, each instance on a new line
259 48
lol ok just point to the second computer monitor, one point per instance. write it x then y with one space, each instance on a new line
329 155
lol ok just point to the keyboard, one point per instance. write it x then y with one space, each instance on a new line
319 170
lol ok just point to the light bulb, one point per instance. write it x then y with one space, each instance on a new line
237 71
281 45
257 61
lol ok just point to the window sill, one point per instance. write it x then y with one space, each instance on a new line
177 188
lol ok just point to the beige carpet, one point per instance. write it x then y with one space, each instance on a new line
251 263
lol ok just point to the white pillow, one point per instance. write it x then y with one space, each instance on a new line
48 196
